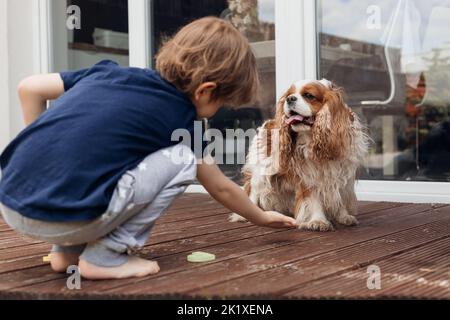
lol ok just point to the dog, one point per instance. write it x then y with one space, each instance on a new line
309 171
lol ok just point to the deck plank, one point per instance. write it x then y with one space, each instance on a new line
279 279
250 260
166 282
198 244
409 275
288 267
164 226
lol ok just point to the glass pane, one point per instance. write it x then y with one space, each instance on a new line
87 31
256 20
393 60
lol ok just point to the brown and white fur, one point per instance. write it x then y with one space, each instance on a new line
321 145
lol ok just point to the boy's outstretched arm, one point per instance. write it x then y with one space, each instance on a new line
234 198
34 92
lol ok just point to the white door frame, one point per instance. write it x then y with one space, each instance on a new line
42 36
295 41
296 58
140 33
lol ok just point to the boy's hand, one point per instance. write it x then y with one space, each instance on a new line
234 198
273 219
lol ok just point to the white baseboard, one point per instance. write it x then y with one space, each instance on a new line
196 188
403 191
392 191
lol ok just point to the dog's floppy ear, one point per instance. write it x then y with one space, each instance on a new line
285 147
331 134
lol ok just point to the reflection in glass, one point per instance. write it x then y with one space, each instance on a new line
256 20
393 60
103 33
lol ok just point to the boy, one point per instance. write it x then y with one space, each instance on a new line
92 174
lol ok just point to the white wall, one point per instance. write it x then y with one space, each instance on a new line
4 87
64 58
16 62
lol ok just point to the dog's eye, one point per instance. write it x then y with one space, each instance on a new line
309 96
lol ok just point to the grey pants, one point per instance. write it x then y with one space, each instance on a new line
141 196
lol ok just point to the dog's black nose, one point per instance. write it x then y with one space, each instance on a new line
291 99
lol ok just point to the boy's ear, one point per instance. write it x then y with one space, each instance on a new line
207 87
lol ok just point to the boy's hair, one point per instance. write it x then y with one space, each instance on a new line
211 49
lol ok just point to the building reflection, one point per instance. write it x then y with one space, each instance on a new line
411 133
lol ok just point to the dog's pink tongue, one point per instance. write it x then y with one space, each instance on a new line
294 119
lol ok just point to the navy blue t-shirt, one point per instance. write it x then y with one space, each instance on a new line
65 165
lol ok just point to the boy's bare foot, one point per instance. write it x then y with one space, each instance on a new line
135 267
60 261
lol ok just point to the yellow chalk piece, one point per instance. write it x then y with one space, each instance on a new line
46 258
201 257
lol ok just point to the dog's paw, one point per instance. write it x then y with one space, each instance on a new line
316 225
347 220
234 217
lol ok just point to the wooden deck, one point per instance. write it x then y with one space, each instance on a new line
410 243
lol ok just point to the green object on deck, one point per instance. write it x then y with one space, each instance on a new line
201 257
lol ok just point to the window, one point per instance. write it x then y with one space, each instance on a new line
256 20
102 33
393 60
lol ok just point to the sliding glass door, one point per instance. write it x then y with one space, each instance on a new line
256 20
391 57
130 32
393 60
